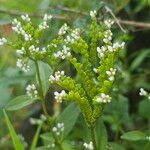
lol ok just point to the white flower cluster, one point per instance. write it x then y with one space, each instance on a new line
22 65
64 53
26 18
59 96
88 146
2 41
34 121
93 13
57 76
111 74
144 93
109 23
63 29
51 145
33 49
95 70
44 24
17 27
21 51
31 91
74 36
101 51
58 128
107 36
103 98
148 138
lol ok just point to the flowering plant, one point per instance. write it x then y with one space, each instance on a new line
94 61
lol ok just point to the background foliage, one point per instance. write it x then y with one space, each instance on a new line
127 111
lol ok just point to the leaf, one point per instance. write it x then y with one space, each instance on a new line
19 102
101 135
147 146
47 136
36 137
133 136
16 142
45 72
69 117
115 146
139 59
144 108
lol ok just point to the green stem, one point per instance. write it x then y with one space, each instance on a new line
48 118
93 137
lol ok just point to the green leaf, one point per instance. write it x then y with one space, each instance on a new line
47 136
133 136
144 108
69 117
45 72
139 59
101 135
36 137
19 102
16 142
147 146
115 146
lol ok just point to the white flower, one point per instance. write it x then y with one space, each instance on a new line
33 49
148 138
26 18
44 24
88 146
109 23
103 98
93 13
27 37
32 121
111 73
74 36
65 53
95 70
23 65
21 51
58 128
143 92
118 45
2 41
101 51
59 96
31 91
63 29
107 36
47 17
57 76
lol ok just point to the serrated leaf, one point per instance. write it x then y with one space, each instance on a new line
133 136
101 135
19 102
69 117
16 142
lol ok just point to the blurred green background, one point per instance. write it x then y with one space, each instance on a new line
130 111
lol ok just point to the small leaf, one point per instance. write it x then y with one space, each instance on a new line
101 135
45 72
133 136
69 117
36 137
19 102
47 136
16 142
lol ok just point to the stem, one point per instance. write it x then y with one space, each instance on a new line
93 137
44 106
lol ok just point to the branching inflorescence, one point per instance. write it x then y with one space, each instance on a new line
93 58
